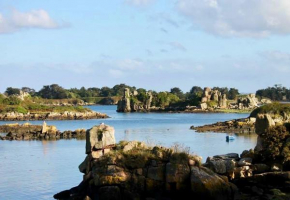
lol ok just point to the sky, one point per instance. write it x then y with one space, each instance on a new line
151 44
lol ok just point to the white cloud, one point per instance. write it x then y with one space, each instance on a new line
243 18
22 20
139 2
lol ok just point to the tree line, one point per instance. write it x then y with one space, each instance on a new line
275 93
165 98
174 97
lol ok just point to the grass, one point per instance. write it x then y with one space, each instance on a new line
140 156
233 111
11 105
273 108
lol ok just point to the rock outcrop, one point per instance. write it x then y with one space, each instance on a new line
28 131
14 116
238 126
248 102
213 95
130 170
129 102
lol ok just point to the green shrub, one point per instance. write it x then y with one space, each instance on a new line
12 101
275 139
274 108
212 104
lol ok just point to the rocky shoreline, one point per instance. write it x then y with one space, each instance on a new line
132 170
28 131
238 126
14 116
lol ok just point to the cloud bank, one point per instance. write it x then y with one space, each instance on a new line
242 18
17 21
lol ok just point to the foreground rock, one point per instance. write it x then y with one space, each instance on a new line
14 116
37 132
130 170
239 126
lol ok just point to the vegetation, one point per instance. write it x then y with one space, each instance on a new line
14 104
140 155
276 93
50 94
274 108
277 140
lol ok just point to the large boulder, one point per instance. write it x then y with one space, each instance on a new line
223 101
100 137
206 184
177 175
263 121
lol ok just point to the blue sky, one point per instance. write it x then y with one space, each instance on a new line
154 44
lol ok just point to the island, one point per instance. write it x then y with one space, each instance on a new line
209 100
22 107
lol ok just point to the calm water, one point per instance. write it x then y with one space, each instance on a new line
39 169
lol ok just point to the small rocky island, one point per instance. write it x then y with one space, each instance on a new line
28 131
38 116
209 101
238 126
22 107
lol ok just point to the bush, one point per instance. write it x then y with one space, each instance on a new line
275 140
12 101
273 108
212 104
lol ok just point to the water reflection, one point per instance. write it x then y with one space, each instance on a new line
43 168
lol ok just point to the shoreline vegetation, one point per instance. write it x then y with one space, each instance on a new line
24 107
57 95
53 102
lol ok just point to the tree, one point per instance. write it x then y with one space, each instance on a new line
195 90
233 92
53 91
118 90
178 92
12 91
194 95
106 92
276 93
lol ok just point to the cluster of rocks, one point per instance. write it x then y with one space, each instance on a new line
255 180
248 102
127 103
130 170
213 95
22 95
238 126
15 116
28 131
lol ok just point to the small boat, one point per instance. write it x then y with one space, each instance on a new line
229 137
